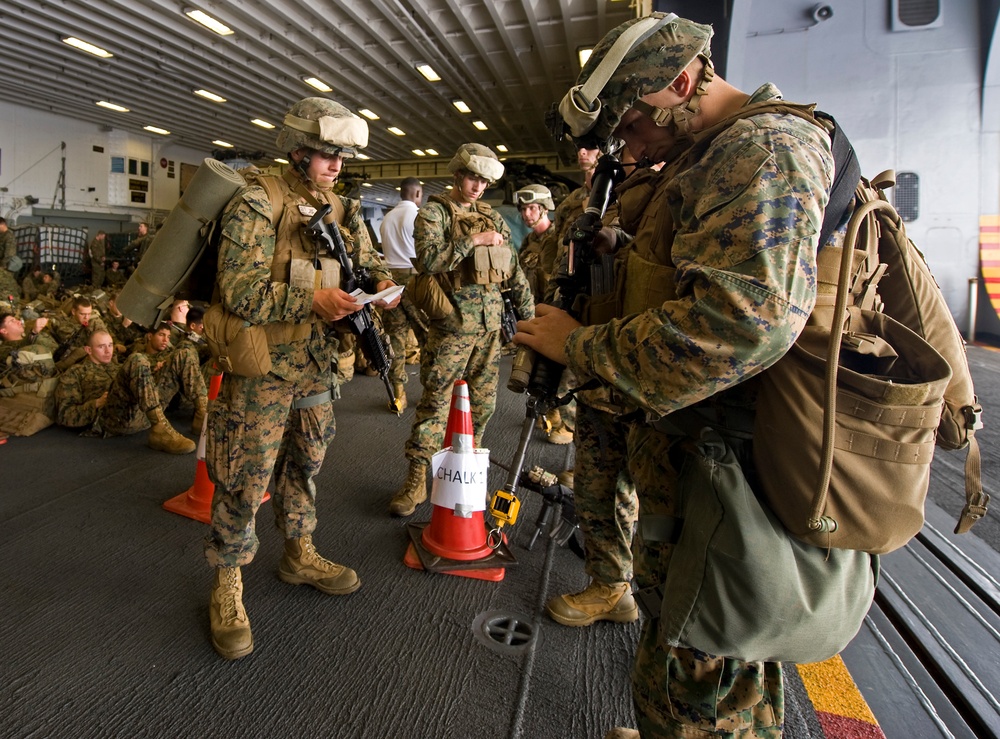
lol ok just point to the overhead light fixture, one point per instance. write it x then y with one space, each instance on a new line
223 144
419 152
317 83
89 48
156 129
461 106
210 96
428 72
502 148
279 160
368 114
480 125
366 184
379 199
583 54
262 124
112 106
208 21
432 152
396 131
362 156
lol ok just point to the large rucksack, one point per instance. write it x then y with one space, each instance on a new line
884 367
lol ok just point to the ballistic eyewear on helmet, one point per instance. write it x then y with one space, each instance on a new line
526 197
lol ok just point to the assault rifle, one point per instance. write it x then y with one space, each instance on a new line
373 345
508 318
587 274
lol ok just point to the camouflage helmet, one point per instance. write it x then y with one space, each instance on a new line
639 57
534 194
478 159
323 125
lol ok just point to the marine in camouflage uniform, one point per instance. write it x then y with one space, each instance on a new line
137 247
450 233
539 245
177 371
103 398
98 253
14 340
71 333
282 422
8 248
720 281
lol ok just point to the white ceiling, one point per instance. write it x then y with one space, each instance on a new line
507 59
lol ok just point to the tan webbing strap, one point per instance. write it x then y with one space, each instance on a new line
976 500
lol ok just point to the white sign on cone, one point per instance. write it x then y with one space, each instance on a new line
459 480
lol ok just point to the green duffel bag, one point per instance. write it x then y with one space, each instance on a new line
739 585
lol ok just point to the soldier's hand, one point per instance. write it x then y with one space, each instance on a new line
385 285
487 238
547 332
606 241
101 401
332 304
40 323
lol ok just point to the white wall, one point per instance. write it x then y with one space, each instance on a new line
31 161
908 101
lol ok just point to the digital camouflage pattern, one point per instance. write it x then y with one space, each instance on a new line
131 393
312 109
177 370
743 222
649 67
397 324
566 214
98 252
70 335
538 250
466 344
603 494
252 428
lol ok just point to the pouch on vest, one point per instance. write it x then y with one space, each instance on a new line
739 586
428 294
238 347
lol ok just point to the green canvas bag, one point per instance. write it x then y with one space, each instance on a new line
740 586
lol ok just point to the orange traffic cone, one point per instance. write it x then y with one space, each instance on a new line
196 501
455 540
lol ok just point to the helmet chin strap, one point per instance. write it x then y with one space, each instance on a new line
677 119
302 167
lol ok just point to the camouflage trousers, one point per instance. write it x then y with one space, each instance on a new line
131 395
181 373
681 692
254 428
398 322
97 272
445 358
605 499
8 285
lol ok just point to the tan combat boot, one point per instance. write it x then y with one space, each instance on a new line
597 602
163 437
302 565
413 492
560 435
399 390
231 635
200 411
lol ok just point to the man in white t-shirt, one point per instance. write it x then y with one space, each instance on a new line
396 233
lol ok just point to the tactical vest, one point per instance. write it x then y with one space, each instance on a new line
648 272
487 264
294 250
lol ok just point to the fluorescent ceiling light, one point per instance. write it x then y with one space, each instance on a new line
210 96
279 160
224 144
317 83
366 184
156 129
428 72
208 21
362 156
461 106
432 152
112 106
419 152
396 131
89 48
262 124
368 114
379 199
480 125
584 54
501 147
